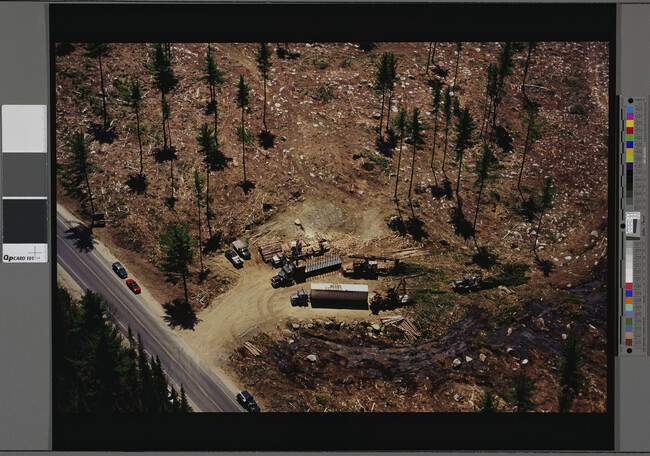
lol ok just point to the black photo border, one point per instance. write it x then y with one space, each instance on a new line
345 22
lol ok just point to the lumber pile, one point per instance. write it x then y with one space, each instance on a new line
252 348
404 324
268 249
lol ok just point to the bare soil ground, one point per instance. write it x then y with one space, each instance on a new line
325 170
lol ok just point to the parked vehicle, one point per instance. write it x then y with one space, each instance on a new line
242 249
246 400
467 284
133 286
277 260
300 298
234 258
283 278
119 270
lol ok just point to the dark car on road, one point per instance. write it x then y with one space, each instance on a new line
234 258
119 270
133 286
246 400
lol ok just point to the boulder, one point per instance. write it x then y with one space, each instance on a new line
312 358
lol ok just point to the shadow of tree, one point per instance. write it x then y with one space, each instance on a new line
442 73
83 237
546 266
246 185
266 139
170 202
212 243
527 209
164 154
503 139
137 183
367 46
415 227
105 135
386 146
446 189
210 107
63 49
287 54
484 258
179 313
462 226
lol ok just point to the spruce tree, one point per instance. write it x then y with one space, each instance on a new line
463 140
214 77
99 50
546 200
523 391
415 129
436 97
534 131
242 101
176 246
263 58
459 47
400 123
571 379
484 164
531 47
132 97
74 174
488 403
198 189
206 142
447 111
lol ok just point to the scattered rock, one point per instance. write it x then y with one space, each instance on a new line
564 336
456 363
295 325
291 341
505 289
508 350
375 326
329 324
509 331
456 397
540 324
524 362
469 359
482 357
297 222
284 138
594 233
312 358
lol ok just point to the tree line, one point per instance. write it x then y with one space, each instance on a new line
97 371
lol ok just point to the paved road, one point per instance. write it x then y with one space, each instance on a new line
90 270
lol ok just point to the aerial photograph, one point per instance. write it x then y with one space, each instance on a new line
331 227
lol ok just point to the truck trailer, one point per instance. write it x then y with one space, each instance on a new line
339 295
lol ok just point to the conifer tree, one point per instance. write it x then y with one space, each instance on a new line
242 101
546 200
463 140
400 123
99 50
531 47
415 129
214 77
484 164
74 174
447 111
523 391
384 81
505 67
132 97
206 141
263 57
534 131
488 403
436 96
571 379
198 189
176 246
459 47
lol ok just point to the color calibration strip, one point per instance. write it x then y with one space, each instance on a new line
633 329
24 184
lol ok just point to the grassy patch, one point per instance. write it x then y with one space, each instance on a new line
505 314
324 93
512 274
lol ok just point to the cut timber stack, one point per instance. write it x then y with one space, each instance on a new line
268 249
252 348
404 324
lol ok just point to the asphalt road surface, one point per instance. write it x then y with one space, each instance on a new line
90 270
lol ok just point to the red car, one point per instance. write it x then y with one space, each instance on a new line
133 286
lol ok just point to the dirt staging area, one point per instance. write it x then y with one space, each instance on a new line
325 167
